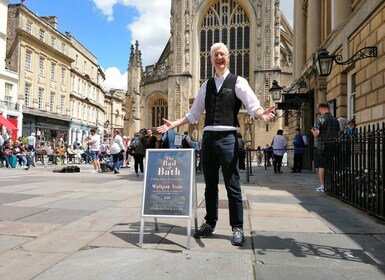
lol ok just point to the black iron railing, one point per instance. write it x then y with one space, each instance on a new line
355 170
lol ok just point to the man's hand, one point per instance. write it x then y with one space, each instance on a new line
267 114
165 127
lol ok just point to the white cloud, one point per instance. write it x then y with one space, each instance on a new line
114 79
151 27
106 7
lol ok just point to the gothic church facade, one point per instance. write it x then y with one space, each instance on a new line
260 41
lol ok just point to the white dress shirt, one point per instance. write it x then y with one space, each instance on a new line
242 91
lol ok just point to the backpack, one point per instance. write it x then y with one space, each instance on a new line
185 143
165 143
133 145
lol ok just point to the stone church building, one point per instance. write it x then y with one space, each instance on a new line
260 41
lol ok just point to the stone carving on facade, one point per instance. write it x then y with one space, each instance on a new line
267 7
187 60
187 38
267 27
187 19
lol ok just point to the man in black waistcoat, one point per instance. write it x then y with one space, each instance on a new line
221 97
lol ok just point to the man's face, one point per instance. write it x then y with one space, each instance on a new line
220 60
323 110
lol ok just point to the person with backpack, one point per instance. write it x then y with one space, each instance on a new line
299 150
186 141
138 149
151 140
168 140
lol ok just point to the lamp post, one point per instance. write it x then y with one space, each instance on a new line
324 61
276 91
292 101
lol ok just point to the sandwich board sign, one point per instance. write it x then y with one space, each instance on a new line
169 178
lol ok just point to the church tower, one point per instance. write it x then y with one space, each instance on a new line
133 99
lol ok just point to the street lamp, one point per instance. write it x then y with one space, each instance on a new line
324 61
276 91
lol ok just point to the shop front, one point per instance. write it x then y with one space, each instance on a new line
46 129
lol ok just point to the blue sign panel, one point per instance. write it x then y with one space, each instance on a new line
168 180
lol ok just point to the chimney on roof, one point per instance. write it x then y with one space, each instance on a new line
51 20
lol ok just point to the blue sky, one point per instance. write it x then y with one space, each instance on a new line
107 28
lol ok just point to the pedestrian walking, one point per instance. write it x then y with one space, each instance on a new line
139 151
279 144
117 150
94 144
299 150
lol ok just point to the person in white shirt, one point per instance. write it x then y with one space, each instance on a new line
31 147
279 144
117 150
1 140
94 143
221 97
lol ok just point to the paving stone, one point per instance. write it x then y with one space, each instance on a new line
12 197
10 242
113 263
61 241
25 229
80 204
26 265
11 213
57 216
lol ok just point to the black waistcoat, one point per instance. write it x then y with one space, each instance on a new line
222 107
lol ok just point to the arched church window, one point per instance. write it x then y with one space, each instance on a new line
159 111
226 21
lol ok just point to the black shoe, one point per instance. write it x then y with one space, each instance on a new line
116 171
294 171
204 230
238 237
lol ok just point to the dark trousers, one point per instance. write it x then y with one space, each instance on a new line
138 160
117 159
298 158
277 163
242 158
220 149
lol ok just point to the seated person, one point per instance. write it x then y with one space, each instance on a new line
60 154
71 154
84 155
20 154
7 153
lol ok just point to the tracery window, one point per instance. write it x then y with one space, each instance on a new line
159 111
226 21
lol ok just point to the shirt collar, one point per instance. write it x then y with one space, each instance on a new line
223 77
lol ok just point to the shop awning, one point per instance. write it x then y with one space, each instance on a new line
7 123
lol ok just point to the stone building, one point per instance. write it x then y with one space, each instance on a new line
87 102
114 103
60 81
355 90
259 39
10 111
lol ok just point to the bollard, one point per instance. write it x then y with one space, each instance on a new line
247 167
